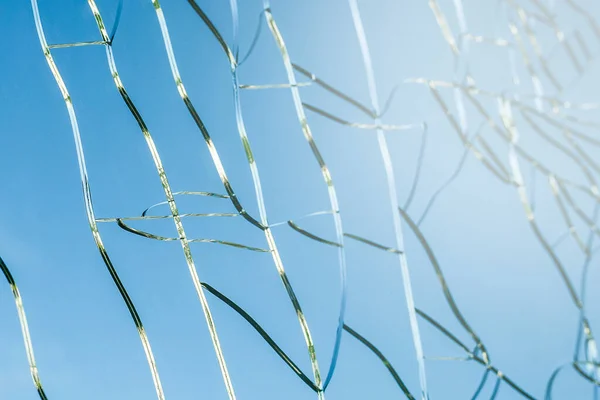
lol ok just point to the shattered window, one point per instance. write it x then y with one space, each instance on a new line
321 199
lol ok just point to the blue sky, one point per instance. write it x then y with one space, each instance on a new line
85 343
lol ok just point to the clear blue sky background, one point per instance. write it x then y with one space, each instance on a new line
86 345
